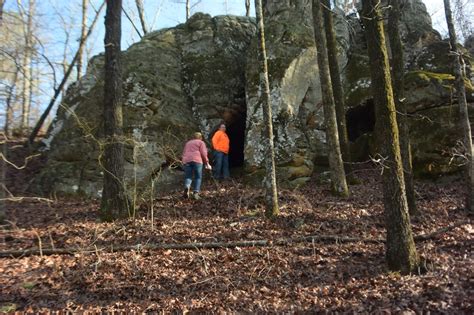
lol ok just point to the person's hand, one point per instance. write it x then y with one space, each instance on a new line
208 166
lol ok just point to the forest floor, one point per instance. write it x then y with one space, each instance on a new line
328 274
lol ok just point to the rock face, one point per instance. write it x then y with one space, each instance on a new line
429 94
295 93
197 74
176 81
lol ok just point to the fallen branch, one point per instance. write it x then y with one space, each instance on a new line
217 245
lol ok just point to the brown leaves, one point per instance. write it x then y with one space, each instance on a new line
333 277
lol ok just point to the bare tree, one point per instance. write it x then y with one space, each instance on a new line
271 192
463 11
247 7
338 176
398 74
463 111
189 6
337 85
58 89
3 176
9 104
114 202
2 3
141 14
82 38
26 64
400 247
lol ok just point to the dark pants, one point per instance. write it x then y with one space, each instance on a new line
221 165
190 169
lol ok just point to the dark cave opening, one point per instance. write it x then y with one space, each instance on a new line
235 121
360 120
236 133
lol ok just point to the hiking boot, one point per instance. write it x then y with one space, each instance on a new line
196 196
186 193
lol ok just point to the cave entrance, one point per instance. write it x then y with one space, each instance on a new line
360 120
235 121
236 133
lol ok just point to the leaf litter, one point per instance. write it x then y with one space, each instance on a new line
299 277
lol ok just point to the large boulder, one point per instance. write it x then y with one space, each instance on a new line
298 123
176 81
429 94
195 75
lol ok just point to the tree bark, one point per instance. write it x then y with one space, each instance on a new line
338 176
9 105
2 3
400 247
188 9
338 91
27 53
141 14
463 111
83 39
3 176
114 203
397 64
58 90
271 193
247 7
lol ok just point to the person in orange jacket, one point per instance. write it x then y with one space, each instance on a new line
220 143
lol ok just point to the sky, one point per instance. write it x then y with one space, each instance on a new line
55 14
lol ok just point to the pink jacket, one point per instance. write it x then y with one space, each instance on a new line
195 151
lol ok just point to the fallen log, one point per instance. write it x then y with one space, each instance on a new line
216 245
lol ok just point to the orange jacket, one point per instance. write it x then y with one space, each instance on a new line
220 142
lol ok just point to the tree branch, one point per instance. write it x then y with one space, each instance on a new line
217 245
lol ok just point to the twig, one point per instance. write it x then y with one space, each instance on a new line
40 244
233 244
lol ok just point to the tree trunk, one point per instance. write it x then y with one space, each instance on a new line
398 93
463 111
114 203
58 90
400 247
83 38
141 14
9 105
188 9
26 88
247 7
271 193
338 176
2 3
337 86
3 177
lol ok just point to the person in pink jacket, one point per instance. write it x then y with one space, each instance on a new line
194 157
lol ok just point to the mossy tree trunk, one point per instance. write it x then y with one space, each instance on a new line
398 92
337 89
400 247
464 115
114 200
271 193
338 176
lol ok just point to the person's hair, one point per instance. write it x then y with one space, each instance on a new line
198 135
